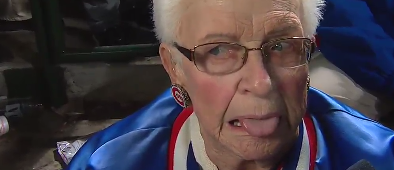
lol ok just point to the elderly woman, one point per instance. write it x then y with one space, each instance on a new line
242 99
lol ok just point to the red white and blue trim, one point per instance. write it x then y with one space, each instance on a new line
302 156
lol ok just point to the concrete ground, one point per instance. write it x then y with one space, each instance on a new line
25 153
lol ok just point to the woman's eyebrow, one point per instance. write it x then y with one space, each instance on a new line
282 30
224 36
278 31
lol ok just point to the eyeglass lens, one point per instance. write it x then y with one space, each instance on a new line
222 58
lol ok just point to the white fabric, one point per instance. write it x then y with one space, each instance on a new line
304 159
333 81
4 126
182 146
199 146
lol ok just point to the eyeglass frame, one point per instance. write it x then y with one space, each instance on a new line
189 53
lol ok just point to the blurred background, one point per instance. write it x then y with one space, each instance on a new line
69 79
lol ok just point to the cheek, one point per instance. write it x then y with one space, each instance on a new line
292 83
210 96
292 87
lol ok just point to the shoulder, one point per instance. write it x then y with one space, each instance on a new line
348 135
120 146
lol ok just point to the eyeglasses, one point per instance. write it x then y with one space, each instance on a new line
224 57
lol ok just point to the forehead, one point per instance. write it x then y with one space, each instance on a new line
249 6
240 20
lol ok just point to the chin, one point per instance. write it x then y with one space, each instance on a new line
259 149
273 147
260 154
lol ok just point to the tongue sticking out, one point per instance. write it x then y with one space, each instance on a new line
260 128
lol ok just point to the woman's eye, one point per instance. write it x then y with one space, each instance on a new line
280 46
217 50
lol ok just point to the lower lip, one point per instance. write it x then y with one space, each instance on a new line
243 129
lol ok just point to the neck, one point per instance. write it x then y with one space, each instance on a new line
225 159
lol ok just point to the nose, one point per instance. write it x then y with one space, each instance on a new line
255 78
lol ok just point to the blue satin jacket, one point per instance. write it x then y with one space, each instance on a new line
357 36
141 141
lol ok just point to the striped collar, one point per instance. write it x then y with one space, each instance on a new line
182 157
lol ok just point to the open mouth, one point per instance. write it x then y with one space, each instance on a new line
256 127
235 123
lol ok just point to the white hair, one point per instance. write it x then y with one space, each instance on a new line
311 16
167 15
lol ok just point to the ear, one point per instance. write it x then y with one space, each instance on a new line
169 63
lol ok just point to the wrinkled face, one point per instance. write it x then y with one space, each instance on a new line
252 113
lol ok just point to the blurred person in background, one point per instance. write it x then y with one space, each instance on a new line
103 18
15 15
357 66
108 28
